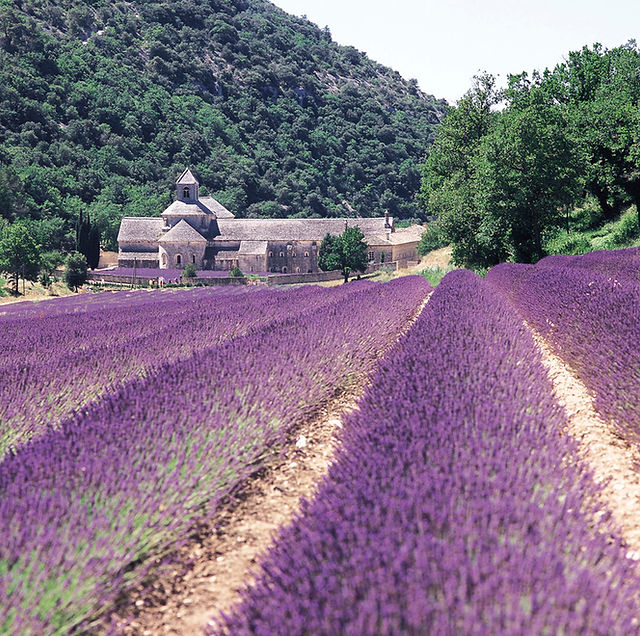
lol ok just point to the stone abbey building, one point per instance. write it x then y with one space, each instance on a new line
203 232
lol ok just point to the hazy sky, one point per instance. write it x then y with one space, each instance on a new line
443 44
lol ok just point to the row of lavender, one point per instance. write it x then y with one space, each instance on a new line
451 507
133 471
53 362
156 273
589 314
625 262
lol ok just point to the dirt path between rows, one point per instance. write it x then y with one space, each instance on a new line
222 557
610 457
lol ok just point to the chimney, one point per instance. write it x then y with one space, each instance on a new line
346 224
386 220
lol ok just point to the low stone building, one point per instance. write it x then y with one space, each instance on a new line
203 232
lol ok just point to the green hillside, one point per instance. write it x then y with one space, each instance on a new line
103 103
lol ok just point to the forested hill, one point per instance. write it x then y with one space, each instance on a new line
103 103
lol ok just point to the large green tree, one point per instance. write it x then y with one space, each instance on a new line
346 252
602 92
449 179
500 181
528 171
19 253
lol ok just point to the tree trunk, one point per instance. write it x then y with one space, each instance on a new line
602 194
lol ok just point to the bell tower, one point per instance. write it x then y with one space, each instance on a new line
187 187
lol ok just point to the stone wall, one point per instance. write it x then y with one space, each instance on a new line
315 277
189 253
377 254
292 257
151 261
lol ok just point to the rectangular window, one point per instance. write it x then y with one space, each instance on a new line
371 257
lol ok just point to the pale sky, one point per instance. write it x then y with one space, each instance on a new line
443 44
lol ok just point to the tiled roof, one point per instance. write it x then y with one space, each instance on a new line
140 228
217 208
206 205
292 229
378 239
182 232
227 254
186 178
399 237
141 256
253 247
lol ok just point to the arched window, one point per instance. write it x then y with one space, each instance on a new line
193 258
281 254
164 260
270 254
186 193
178 259
297 270
306 254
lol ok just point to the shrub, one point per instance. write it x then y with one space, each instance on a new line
432 239
435 274
75 274
236 272
627 230
189 271
573 244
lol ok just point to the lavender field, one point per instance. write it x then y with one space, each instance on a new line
129 472
452 507
456 502
588 309
94 344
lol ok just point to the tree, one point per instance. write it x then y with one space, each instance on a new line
347 252
19 254
528 170
431 239
329 253
93 251
48 263
88 241
189 271
75 274
449 178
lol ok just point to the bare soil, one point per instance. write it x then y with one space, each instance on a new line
612 460
222 558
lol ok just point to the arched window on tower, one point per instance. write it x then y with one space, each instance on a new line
178 259
186 192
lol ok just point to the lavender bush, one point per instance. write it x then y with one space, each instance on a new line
453 506
624 262
589 316
53 360
152 273
131 472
